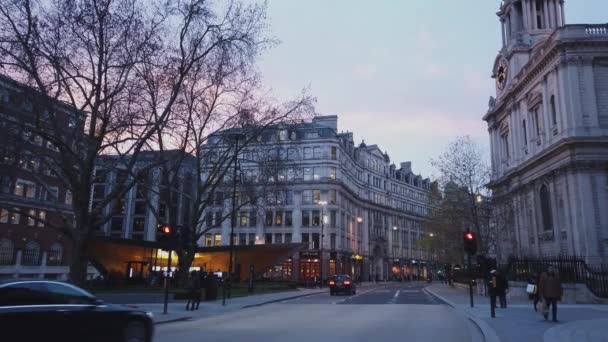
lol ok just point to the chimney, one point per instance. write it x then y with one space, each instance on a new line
330 121
406 167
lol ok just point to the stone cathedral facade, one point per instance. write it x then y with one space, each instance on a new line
548 128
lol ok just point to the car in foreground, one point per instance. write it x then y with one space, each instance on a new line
44 310
341 284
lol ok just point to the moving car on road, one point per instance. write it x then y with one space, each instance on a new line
341 284
41 310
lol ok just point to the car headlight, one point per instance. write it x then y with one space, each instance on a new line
149 314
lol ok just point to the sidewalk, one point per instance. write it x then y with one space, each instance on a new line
176 310
519 322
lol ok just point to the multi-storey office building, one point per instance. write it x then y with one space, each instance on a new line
147 203
549 133
355 211
33 200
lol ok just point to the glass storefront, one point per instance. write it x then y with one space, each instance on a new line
309 266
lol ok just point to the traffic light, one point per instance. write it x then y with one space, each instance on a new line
470 243
166 233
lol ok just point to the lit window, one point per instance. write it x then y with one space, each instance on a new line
332 173
41 218
4 215
208 240
217 240
31 215
15 216
316 196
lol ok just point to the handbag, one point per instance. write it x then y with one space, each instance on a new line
531 289
542 307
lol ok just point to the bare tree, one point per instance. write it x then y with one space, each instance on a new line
122 66
463 175
445 224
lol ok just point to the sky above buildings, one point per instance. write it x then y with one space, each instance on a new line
408 75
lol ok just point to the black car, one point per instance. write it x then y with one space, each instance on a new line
341 284
42 310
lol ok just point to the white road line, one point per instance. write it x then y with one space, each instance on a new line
394 299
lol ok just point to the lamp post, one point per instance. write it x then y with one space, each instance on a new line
322 204
358 262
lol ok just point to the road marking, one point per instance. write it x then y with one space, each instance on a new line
394 299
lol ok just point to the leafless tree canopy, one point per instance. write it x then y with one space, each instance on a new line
463 176
137 75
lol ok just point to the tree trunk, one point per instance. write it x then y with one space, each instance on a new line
78 265
184 264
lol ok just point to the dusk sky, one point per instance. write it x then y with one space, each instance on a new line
407 75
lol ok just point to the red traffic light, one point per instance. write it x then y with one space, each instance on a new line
166 229
469 236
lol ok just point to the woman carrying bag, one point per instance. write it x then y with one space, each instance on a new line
532 289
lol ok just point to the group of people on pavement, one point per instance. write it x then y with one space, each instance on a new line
194 291
547 291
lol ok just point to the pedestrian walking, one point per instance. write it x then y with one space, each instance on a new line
532 289
496 289
551 291
503 289
194 292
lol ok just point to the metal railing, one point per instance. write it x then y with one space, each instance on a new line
570 269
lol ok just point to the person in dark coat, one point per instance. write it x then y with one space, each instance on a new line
551 290
497 288
194 292
502 289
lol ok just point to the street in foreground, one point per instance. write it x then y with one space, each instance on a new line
385 313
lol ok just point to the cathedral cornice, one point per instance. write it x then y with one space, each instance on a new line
550 54
503 184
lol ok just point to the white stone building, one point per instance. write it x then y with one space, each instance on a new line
373 210
548 130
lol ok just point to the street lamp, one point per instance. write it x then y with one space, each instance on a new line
359 219
322 204
394 227
431 235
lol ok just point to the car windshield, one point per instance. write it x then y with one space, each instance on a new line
341 278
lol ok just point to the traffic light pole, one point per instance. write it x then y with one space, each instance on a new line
167 283
470 281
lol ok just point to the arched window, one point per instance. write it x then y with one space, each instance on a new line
7 250
553 111
55 254
545 207
31 254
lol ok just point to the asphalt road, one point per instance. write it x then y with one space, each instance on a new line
390 312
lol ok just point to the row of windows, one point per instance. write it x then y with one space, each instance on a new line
32 190
31 255
32 217
533 133
277 218
290 153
